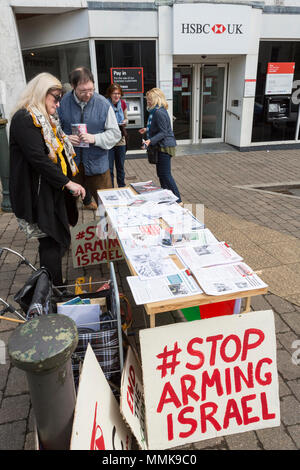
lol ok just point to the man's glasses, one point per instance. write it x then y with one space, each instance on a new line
57 98
90 91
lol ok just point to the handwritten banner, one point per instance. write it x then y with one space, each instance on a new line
132 398
205 379
89 245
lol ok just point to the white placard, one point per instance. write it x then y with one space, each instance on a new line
211 29
249 88
98 423
208 378
132 398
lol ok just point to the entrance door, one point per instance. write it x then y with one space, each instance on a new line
212 101
199 94
182 102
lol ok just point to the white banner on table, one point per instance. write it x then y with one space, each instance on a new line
98 423
132 403
200 256
206 378
228 279
156 289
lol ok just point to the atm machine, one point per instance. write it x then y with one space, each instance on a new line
277 108
135 114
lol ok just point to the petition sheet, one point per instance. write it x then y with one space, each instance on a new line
228 279
168 287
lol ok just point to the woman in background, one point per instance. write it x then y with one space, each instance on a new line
41 166
159 131
116 155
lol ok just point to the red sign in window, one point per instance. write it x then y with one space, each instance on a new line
281 67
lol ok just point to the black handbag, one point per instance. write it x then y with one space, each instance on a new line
152 151
35 296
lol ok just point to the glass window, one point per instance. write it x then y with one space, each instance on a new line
58 60
125 54
264 129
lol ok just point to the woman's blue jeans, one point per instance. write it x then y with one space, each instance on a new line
163 170
116 156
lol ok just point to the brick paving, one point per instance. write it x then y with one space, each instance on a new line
264 228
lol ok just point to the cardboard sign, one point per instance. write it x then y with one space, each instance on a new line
279 79
132 399
98 424
131 79
208 378
90 247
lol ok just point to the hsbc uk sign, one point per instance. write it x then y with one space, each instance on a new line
211 28
198 28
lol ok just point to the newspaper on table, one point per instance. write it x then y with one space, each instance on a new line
160 196
228 279
183 221
116 197
192 237
139 236
200 256
130 216
156 289
151 262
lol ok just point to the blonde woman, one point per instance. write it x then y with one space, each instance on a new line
41 167
159 131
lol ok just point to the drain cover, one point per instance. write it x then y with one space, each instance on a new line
286 189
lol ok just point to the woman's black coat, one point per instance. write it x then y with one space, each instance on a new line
36 183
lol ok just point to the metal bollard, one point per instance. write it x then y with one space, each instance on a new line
42 347
4 166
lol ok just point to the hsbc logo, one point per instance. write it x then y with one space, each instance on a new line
218 28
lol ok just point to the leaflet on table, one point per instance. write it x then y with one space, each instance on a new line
116 197
160 196
183 221
194 237
129 216
151 262
139 236
168 287
200 256
145 186
227 279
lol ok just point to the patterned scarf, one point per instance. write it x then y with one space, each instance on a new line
55 139
118 110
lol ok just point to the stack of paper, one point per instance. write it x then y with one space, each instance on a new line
200 256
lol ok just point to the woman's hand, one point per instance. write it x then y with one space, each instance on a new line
142 131
75 189
147 142
87 138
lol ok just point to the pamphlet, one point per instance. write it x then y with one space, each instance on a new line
116 197
145 186
151 262
80 129
228 279
168 287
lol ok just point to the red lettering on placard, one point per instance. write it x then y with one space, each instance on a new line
238 348
246 343
214 380
196 353
268 375
247 409
190 421
213 340
91 232
204 416
173 398
97 438
264 406
188 391
238 375
232 411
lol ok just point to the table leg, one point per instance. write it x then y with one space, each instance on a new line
247 305
152 321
